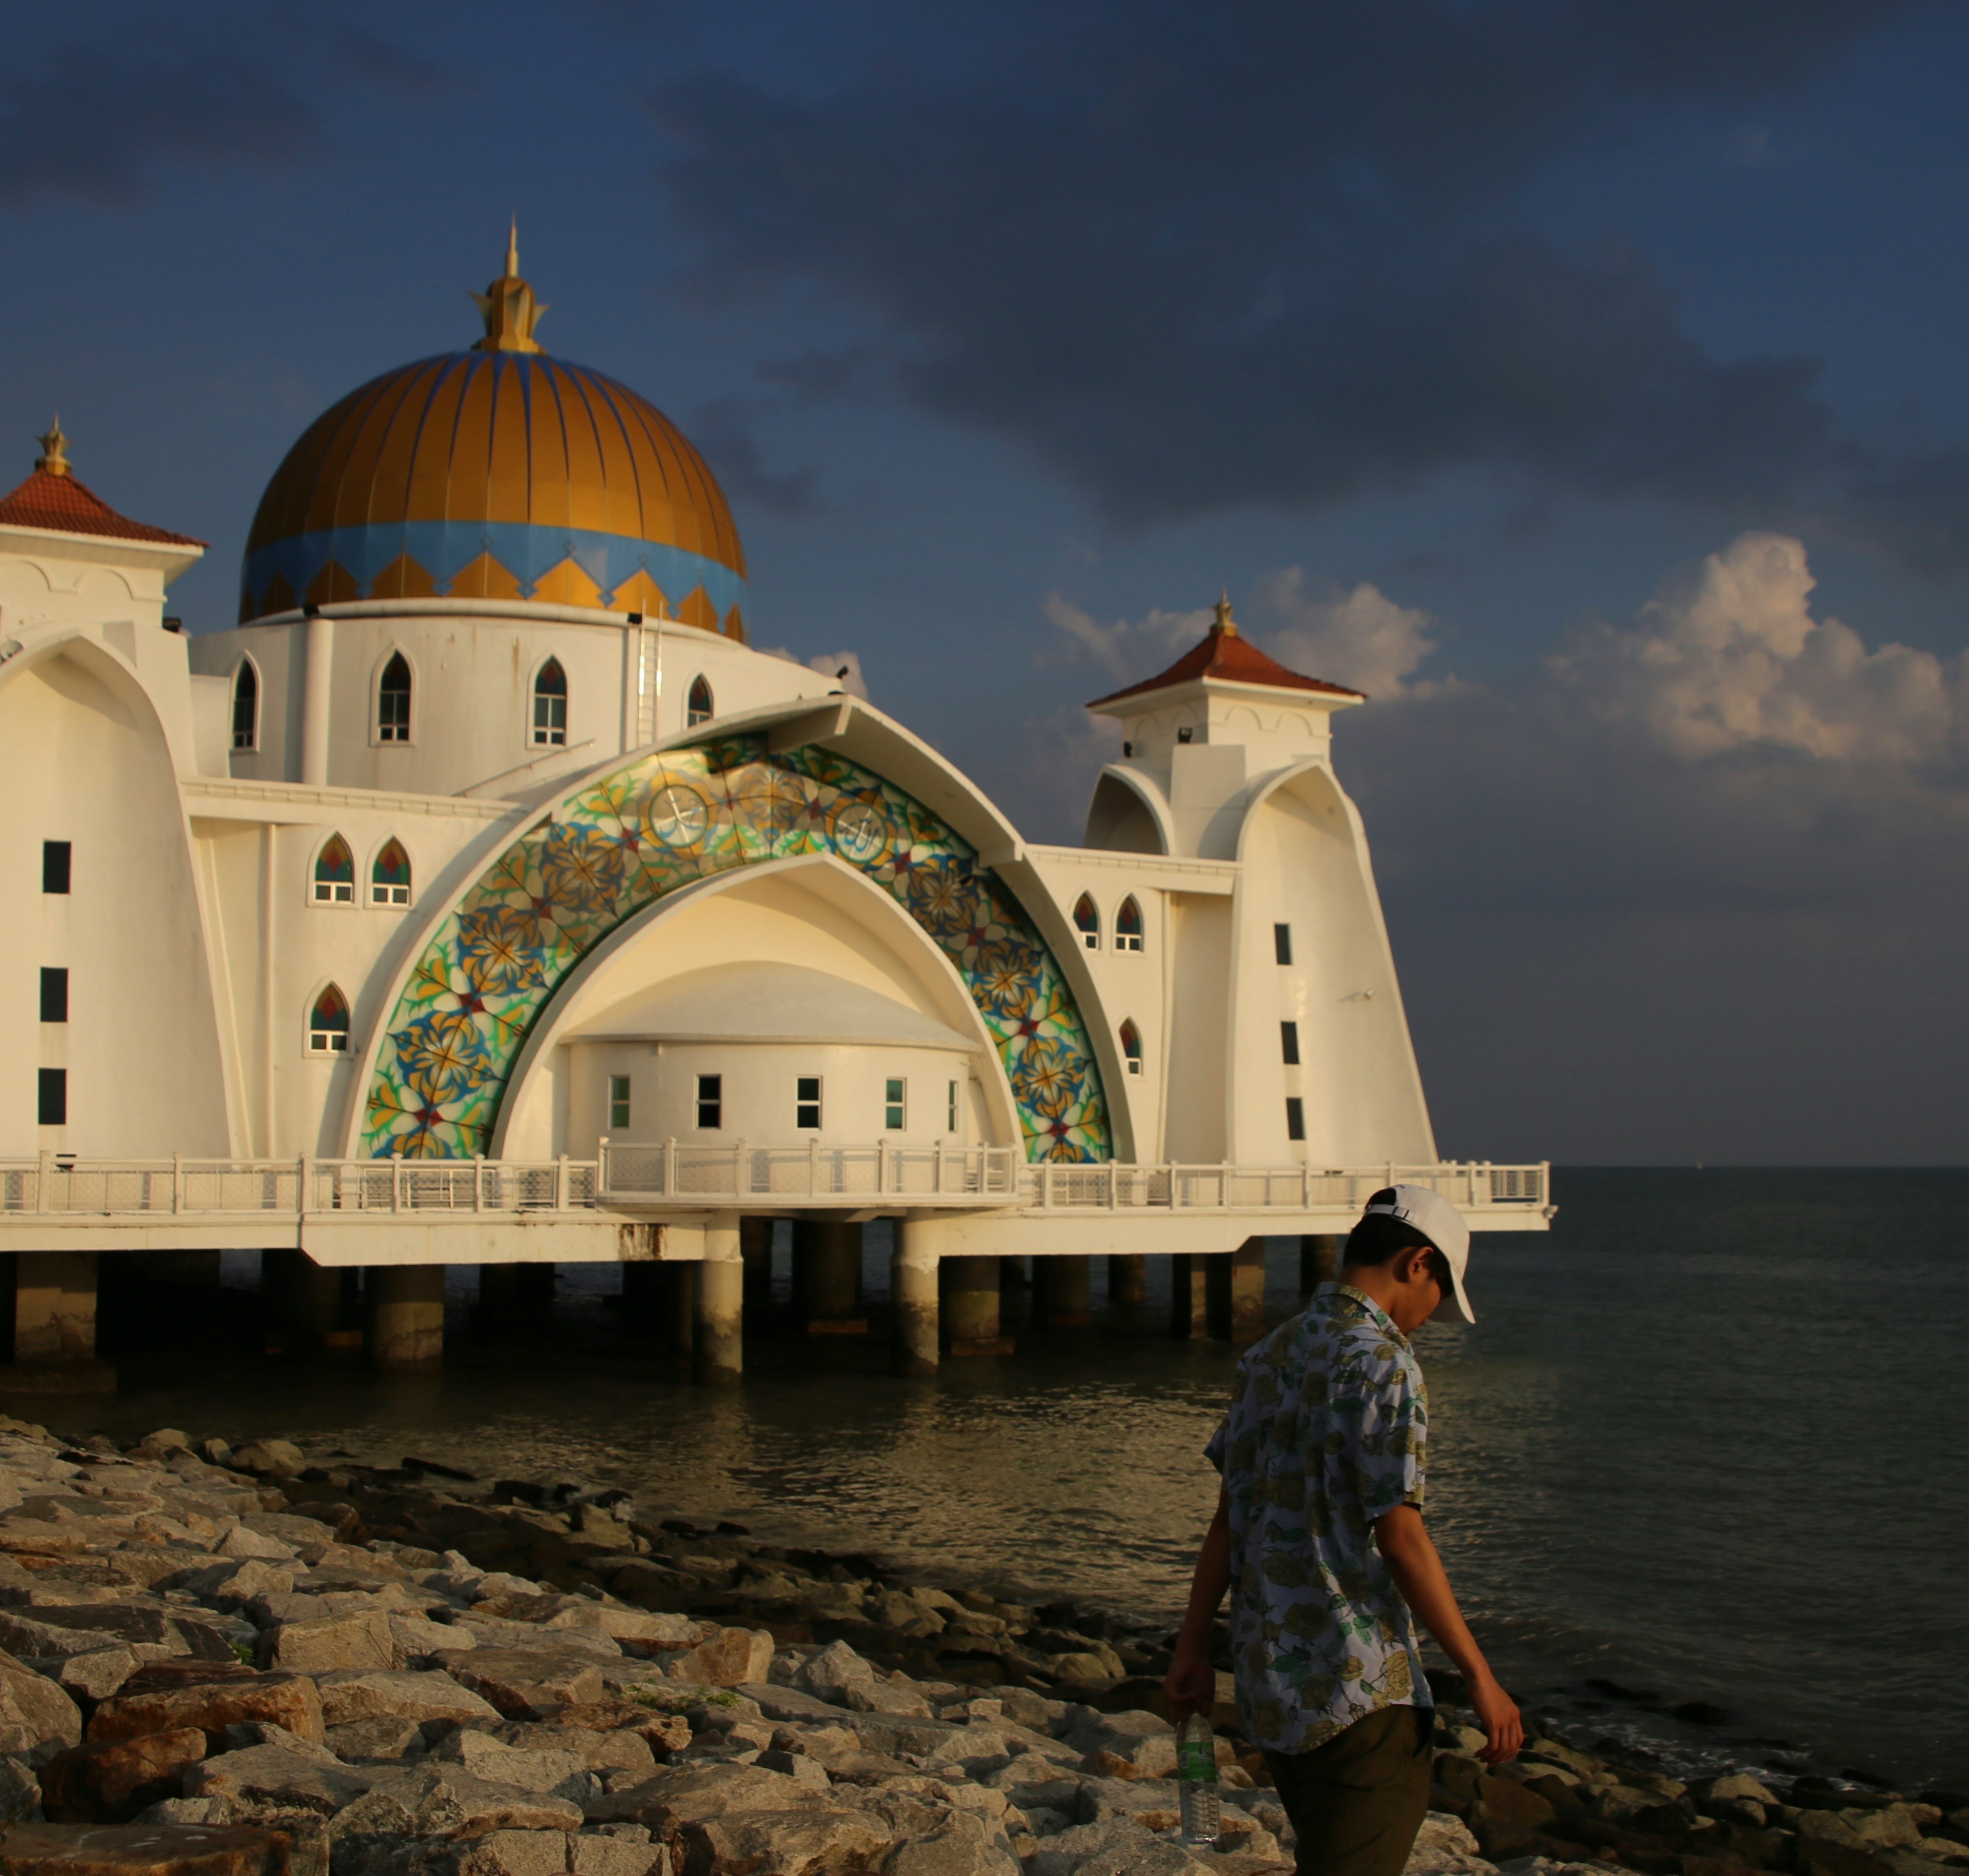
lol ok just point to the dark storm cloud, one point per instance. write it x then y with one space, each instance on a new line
1198 258
723 431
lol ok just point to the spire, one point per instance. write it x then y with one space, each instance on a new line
1225 623
53 459
508 306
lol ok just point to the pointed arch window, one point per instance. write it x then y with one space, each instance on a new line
334 874
1131 1046
550 706
1128 926
1088 920
246 706
393 700
390 875
698 709
328 1023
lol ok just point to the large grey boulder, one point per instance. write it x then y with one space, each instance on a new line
564 1774
298 1775
330 1644
36 1717
407 1696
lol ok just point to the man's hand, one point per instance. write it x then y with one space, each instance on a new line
1190 1683
1497 1714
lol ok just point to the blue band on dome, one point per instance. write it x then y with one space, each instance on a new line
527 551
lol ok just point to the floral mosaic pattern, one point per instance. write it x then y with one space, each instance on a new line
494 964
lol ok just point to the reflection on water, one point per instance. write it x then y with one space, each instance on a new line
1708 1439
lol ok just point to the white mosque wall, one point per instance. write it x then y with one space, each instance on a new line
44 581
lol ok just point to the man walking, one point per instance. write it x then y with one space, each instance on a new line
1318 1536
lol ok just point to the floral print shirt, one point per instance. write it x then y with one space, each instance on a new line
1327 1430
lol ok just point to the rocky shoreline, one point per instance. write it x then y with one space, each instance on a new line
222 1661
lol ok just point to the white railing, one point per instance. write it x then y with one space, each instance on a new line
56 1183
744 1177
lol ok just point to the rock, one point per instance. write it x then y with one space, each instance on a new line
412 1696
729 1658
415 1638
524 1685
1737 1786
1151 1802
1893 1827
1444 1847
19 1791
564 1774
796 1766
1503 1801
99 1674
243 1542
516 1853
328 1643
277 1775
1140 1744
288 1700
427 1800
34 1712
1119 1848
109 1781
269 1456
594 1854
142 1850
618 1750
959 1843
379 1737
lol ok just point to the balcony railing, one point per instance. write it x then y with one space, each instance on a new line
811 1174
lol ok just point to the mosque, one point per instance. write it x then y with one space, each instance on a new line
484 897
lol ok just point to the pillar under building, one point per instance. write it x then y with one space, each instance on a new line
1237 1293
913 1309
659 1302
968 1292
827 1277
1127 1279
1319 1261
405 1311
1063 1291
1189 1296
54 1324
303 1300
755 1246
717 1312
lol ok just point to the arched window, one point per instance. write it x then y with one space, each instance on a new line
246 706
390 875
1128 926
1088 921
550 706
1131 1047
393 701
334 874
328 1023
698 709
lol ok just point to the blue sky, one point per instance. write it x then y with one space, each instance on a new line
1560 373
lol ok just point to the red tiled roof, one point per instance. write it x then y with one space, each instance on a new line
1230 658
63 505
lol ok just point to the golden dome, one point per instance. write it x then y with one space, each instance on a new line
497 473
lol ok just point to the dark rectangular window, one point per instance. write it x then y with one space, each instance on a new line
895 1105
807 1101
55 865
711 1100
1294 1118
1281 943
54 995
1289 1043
54 1097
618 1103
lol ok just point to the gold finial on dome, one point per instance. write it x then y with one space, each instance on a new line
508 306
1225 623
54 450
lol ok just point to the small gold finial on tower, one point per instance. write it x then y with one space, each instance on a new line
54 450
1225 623
508 306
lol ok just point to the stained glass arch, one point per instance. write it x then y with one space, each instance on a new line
1087 922
334 873
1128 926
393 700
390 874
699 708
328 1022
246 706
1131 1046
549 717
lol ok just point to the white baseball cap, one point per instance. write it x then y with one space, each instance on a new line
1429 1213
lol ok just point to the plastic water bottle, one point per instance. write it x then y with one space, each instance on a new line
1196 1780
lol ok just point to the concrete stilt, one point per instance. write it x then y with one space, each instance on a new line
913 1302
1189 1296
1319 1261
718 1350
54 1325
1063 1292
406 1317
755 1246
827 1277
303 1299
1237 1293
499 1293
969 1294
1127 1279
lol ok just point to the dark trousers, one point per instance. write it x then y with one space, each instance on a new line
1356 1802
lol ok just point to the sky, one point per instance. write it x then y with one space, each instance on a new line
1580 378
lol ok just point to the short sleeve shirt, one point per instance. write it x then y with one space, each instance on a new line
1328 1429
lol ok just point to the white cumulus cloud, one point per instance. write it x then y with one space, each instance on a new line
1128 648
1357 637
1736 660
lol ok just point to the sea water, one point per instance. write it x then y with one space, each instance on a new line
1709 1443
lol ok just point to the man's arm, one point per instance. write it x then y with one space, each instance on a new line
1410 1554
1190 1682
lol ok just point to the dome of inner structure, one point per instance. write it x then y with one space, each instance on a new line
497 473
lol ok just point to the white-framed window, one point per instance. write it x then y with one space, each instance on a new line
390 874
1131 1046
393 700
246 706
1087 922
895 1105
710 1101
618 1103
807 1101
699 707
328 1022
549 719
334 880
1128 926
